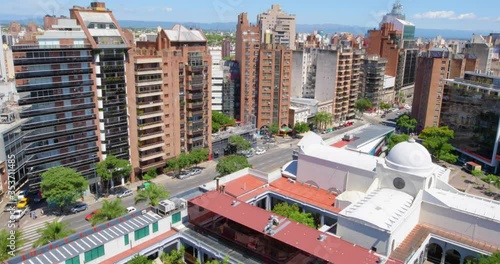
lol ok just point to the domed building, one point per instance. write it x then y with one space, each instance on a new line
401 205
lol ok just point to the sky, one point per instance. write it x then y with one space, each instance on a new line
429 14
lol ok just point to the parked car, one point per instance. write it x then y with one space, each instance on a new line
125 193
91 215
117 190
326 131
131 209
22 194
383 116
79 207
195 171
23 203
184 175
260 151
249 154
17 214
10 206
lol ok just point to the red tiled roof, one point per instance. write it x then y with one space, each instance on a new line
332 249
136 249
310 195
243 185
341 143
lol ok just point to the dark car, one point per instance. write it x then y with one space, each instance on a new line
79 208
383 116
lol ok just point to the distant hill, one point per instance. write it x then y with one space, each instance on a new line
231 26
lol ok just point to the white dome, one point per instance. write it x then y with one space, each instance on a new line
409 157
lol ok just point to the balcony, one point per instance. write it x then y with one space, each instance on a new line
149 146
195 139
74 154
147 133
147 104
55 72
57 97
36 112
112 69
151 125
195 105
195 113
35 87
111 57
142 114
149 70
34 150
148 165
51 60
29 126
157 81
54 134
113 80
33 47
195 96
152 156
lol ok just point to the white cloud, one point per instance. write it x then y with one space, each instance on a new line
444 15
167 9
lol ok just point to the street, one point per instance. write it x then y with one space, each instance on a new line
276 155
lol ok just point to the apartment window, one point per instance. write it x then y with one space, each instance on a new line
143 232
75 260
176 217
168 135
94 253
155 227
167 125
435 118
126 239
167 106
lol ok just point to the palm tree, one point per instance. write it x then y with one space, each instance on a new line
153 193
6 246
110 210
322 119
53 231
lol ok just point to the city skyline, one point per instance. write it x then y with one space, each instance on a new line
430 15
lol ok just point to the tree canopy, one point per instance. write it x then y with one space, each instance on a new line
62 186
109 211
436 141
153 194
384 106
232 163
405 121
322 119
174 257
150 174
301 127
395 139
139 259
53 231
362 105
274 129
187 159
113 167
220 120
239 142
492 259
293 212
10 243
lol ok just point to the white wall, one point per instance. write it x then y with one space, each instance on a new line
407 224
362 235
413 184
472 227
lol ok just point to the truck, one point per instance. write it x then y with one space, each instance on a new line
165 207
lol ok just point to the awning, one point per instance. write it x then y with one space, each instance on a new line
286 129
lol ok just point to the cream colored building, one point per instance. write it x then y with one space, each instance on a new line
279 24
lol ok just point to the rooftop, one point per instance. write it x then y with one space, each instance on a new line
302 237
342 156
368 135
94 17
383 208
243 185
179 33
76 244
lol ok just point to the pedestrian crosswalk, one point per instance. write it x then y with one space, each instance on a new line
30 234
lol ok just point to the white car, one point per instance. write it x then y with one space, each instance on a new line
17 215
125 193
260 151
131 209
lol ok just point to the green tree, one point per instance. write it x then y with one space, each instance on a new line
150 174
239 142
139 259
174 257
109 211
491 179
436 141
301 127
274 129
362 105
62 186
293 212
395 139
10 243
220 120
112 167
384 106
232 163
185 160
224 261
153 194
322 119
198 156
405 121
492 259
172 164
53 231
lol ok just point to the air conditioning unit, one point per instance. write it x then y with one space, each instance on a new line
348 137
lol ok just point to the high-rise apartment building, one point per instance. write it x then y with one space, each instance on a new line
247 55
176 98
277 27
226 48
471 107
487 50
329 75
275 80
55 79
374 86
432 70
217 78
3 66
231 89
